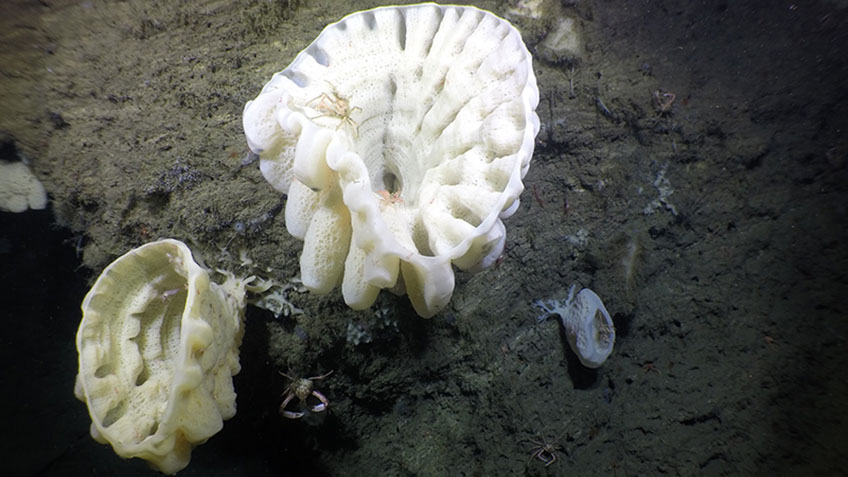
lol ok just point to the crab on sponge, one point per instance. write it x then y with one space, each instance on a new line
401 136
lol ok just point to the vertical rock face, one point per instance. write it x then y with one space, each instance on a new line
401 136
158 346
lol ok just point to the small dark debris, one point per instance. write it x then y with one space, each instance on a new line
255 226
180 176
57 120
249 159
710 416
118 99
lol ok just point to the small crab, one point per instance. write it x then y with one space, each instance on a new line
663 101
545 450
336 106
303 388
169 293
389 198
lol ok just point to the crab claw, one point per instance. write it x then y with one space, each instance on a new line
289 414
292 414
322 405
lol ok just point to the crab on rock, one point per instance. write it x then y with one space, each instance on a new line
302 388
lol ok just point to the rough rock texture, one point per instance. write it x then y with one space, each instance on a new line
691 170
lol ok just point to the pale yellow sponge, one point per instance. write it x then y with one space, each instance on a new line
158 346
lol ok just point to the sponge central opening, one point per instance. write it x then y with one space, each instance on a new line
394 168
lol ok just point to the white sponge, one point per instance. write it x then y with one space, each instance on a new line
588 325
421 121
19 188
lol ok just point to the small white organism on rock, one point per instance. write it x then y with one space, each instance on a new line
664 189
274 296
587 323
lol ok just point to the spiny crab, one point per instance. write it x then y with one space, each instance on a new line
334 105
545 450
303 388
